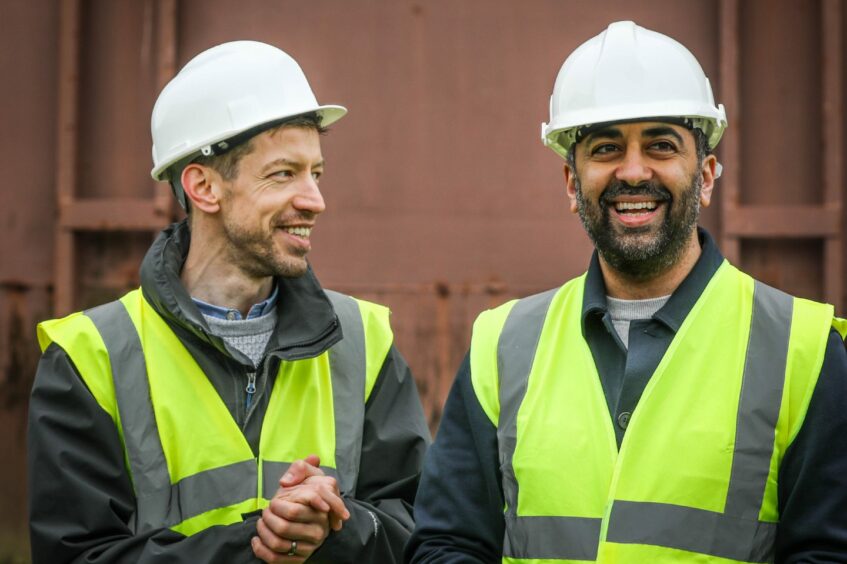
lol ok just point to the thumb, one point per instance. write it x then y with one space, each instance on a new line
300 470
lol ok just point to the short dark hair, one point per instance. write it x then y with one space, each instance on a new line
227 164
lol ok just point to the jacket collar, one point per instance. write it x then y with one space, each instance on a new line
306 322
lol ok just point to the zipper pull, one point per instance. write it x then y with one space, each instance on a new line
250 389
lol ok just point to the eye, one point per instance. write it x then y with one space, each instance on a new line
663 146
604 149
281 174
316 175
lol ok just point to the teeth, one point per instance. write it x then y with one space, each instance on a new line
621 206
299 231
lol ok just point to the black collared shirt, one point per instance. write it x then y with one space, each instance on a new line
624 373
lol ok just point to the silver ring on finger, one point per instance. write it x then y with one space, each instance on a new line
293 550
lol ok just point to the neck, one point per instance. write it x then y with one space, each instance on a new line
620 285
210 274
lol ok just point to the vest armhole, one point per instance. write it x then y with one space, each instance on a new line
840 325
79 338
485 376
378 340
810 329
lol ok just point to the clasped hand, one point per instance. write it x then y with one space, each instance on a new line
301 514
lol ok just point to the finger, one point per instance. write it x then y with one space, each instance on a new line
300 470
272 539
308 495
265 554
297 512
327 487
328 490
335 523
281 531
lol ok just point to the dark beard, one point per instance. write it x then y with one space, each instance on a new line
642 258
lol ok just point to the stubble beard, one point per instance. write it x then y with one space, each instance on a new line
255 253
644 252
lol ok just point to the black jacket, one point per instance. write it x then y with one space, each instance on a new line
80 495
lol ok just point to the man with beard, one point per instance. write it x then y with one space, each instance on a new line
663 406
230 409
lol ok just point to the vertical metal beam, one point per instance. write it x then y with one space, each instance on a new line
832 116
66 153
166 32
730 148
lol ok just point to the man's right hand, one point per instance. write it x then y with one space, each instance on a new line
321 493
306 506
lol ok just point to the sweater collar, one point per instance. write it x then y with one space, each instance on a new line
674 312
306 322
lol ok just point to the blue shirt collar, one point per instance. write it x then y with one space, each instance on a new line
257 310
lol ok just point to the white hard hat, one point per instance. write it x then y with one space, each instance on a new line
231 89
630 73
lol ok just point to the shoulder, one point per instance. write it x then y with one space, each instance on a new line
375 318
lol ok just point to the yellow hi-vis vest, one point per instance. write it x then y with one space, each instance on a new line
695 479
190 464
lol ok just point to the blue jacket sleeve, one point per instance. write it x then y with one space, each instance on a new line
813 475
459 506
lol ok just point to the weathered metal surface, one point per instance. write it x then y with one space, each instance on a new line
441 199
832 120
782 184
799 221
728 93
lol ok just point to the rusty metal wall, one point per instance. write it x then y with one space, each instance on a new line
441 199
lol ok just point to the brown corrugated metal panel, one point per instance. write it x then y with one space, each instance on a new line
441 199
28 32
782 216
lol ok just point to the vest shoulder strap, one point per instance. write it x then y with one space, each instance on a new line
78 336
355 363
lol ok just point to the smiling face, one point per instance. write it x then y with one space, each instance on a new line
268 210
637 188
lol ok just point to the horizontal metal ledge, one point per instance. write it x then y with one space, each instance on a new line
113 214
782 221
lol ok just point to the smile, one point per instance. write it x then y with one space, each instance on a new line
303 232
635 206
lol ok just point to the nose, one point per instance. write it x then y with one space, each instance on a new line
634 169
309 197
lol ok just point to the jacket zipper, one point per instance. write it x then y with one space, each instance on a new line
250 389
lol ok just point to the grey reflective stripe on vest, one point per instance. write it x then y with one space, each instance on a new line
573 538
144 448
162 504
273 471
158 502
347 363
735 534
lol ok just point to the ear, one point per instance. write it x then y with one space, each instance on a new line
570 186
707 171
200 185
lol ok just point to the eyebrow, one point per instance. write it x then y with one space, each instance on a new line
607 132
662 130
615 133
297 165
